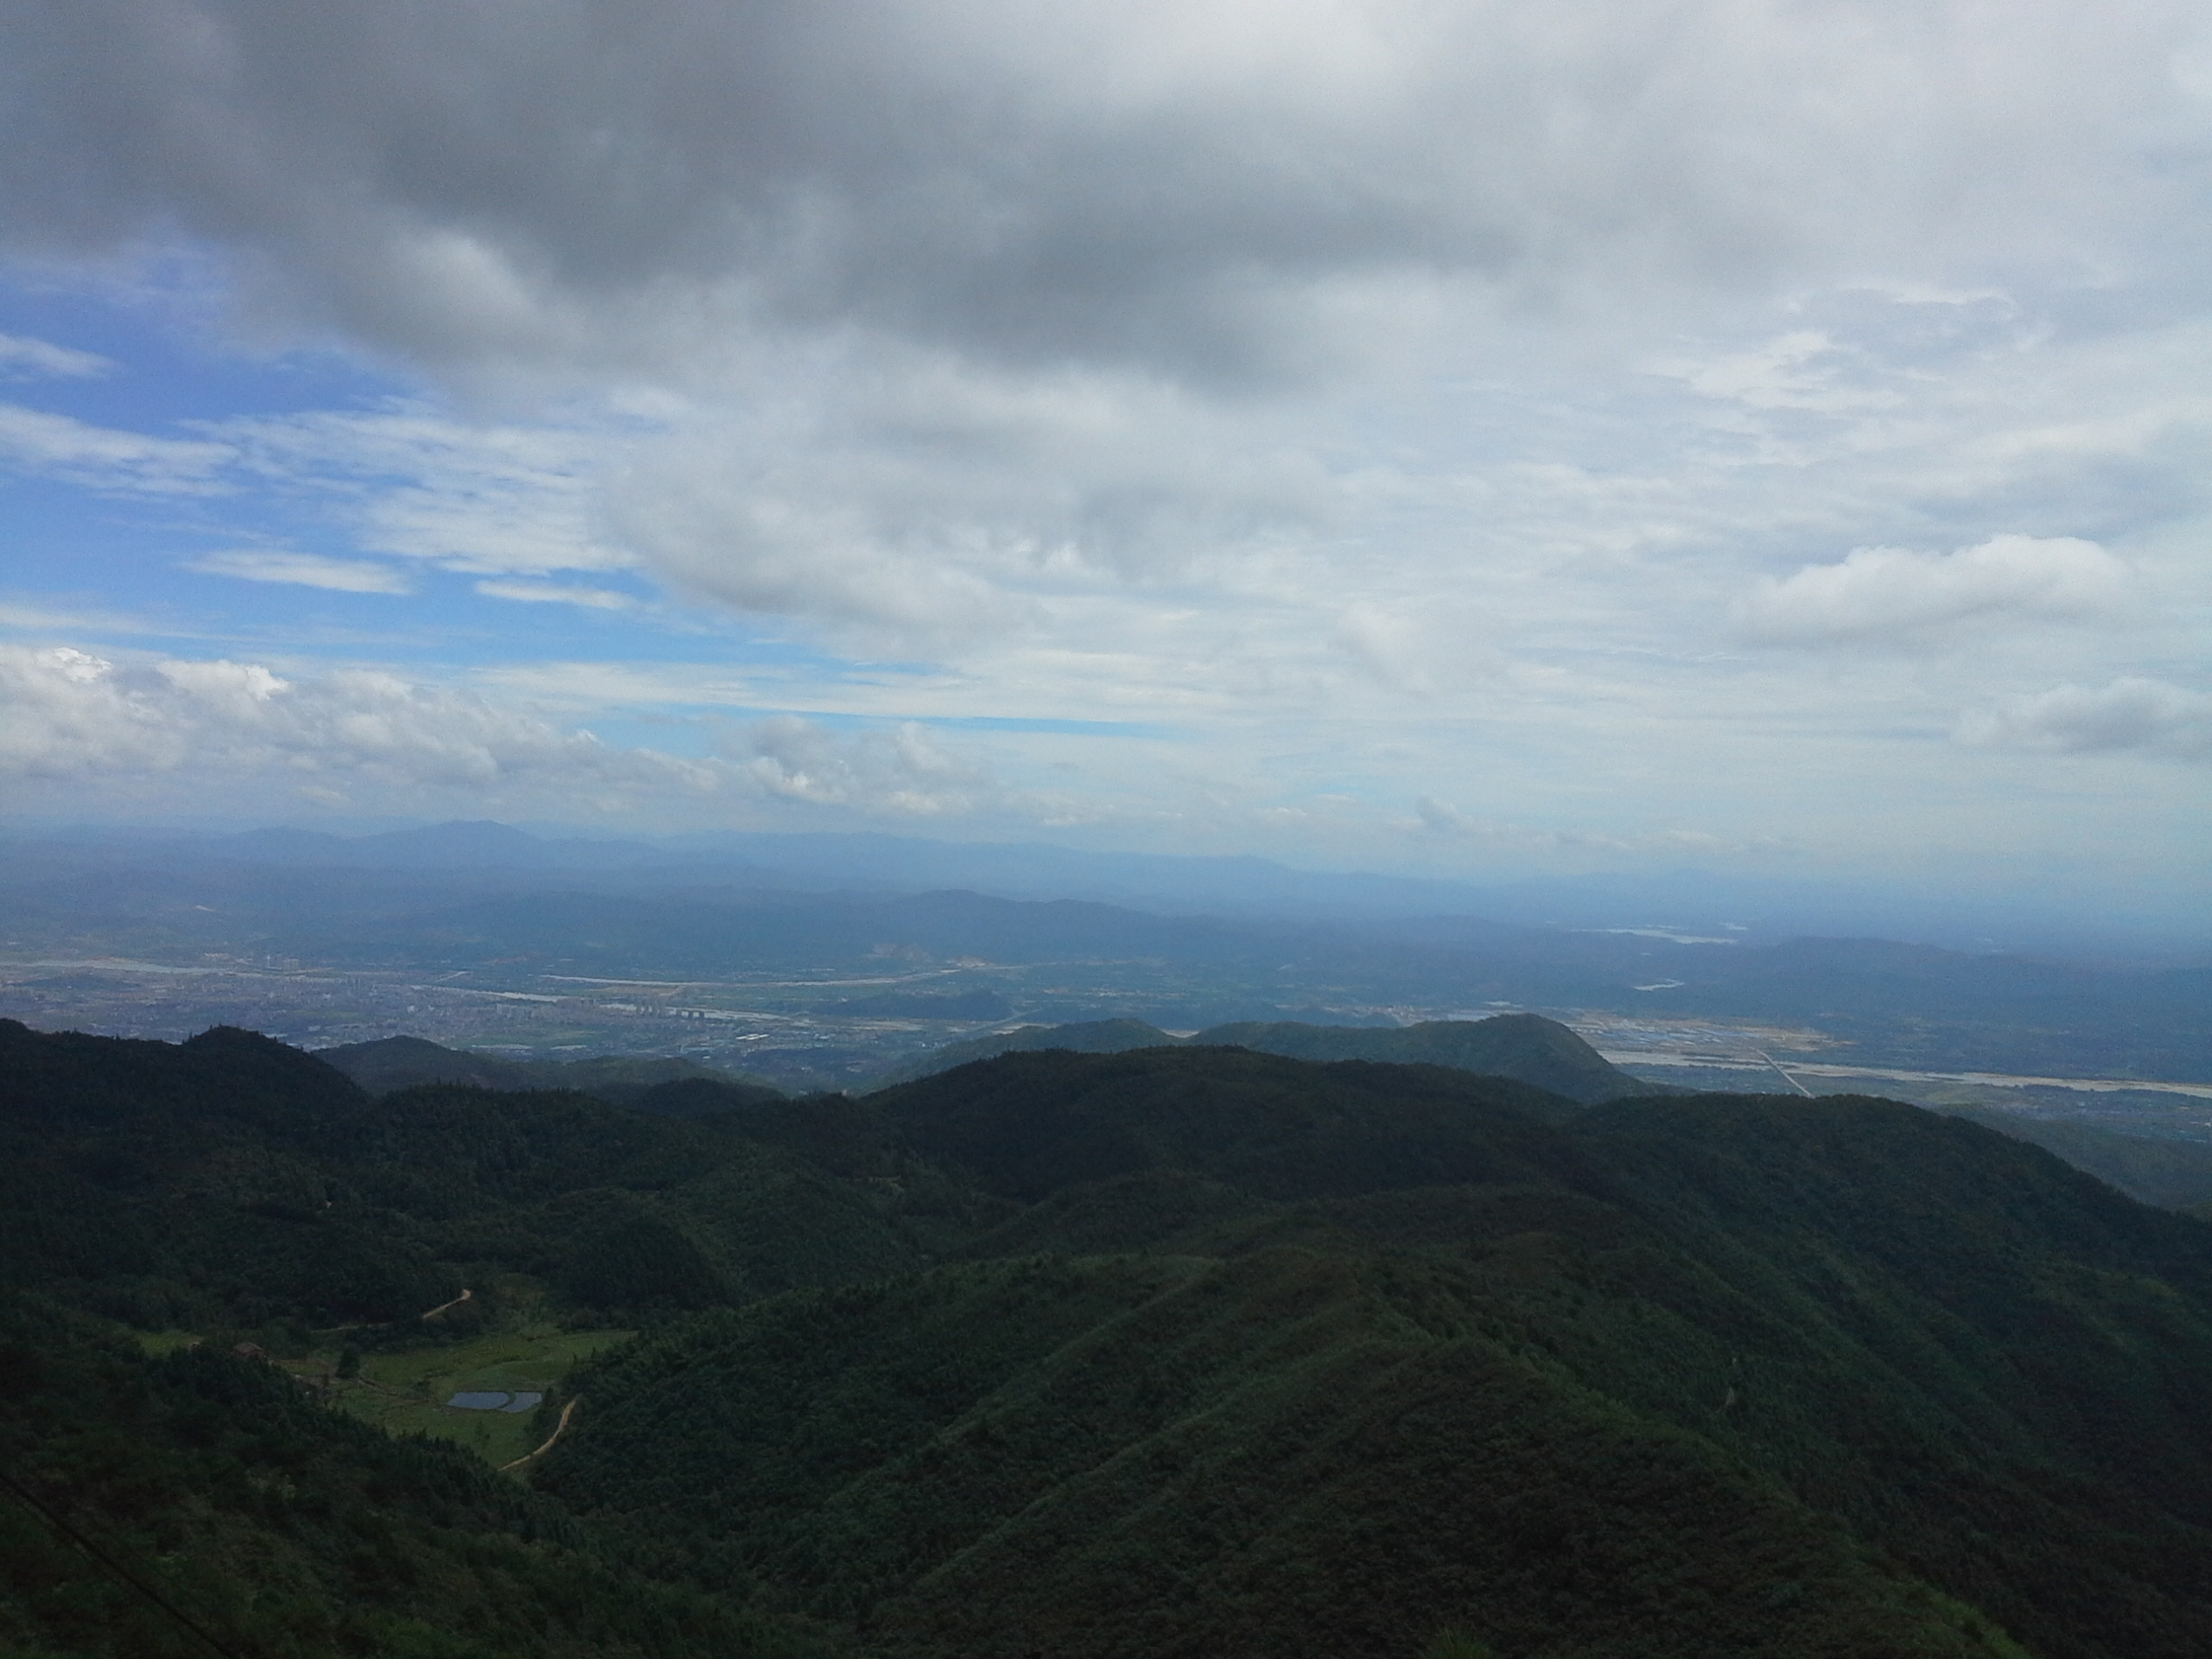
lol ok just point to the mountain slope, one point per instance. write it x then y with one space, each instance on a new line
394 1062
1179 1350
1525 1048
1394 1353
285 1531
229 1182
2174 1175
1263 1456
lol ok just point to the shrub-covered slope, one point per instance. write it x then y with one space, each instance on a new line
230 1181
394 1062
1525 1047
264 1523
1279 1453
1180 1350
1027 1125
1725 1374
2175 1174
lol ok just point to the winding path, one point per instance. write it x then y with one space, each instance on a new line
559 1429
466 1295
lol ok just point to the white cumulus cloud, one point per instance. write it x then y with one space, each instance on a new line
1887 593
66 713
901 772
355 734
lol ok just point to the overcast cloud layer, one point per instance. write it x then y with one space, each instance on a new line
1467 437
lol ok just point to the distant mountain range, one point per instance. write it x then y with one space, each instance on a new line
486 910
1683 901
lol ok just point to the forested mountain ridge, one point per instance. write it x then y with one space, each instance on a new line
1179 1350
231 1182
233 1512
1525 1048
394 1062
1843 1312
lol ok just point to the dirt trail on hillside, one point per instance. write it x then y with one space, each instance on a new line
466 1295
559 1429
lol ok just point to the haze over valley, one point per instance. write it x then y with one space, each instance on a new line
832 973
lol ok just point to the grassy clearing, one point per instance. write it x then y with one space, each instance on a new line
404 1392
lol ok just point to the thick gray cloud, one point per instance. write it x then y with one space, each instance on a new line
2131 714
1217 191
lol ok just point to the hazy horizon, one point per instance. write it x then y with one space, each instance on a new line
1730 906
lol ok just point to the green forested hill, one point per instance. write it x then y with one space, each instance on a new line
393 1062
265 1524
1082 1037
1027 1126
2174 1173
230 1183
1176 1350
1525 1047
1720 1375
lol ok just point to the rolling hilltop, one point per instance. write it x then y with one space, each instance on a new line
1179 1350
1524 1046
391 1063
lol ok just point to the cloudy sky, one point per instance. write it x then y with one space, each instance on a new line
1473 438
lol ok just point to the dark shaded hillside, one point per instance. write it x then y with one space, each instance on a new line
1174 1350
1525 1048
393 1062
1025 1126
60 1080
229 1182
285 1531
1947 1337
1393 1352
1083 1037
1269 1455
2172 1173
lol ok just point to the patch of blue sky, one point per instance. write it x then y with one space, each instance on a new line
281 561
695 730
1150 730
169 365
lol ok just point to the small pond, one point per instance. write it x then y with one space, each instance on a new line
493 1400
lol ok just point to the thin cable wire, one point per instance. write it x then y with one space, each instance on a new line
115 1566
